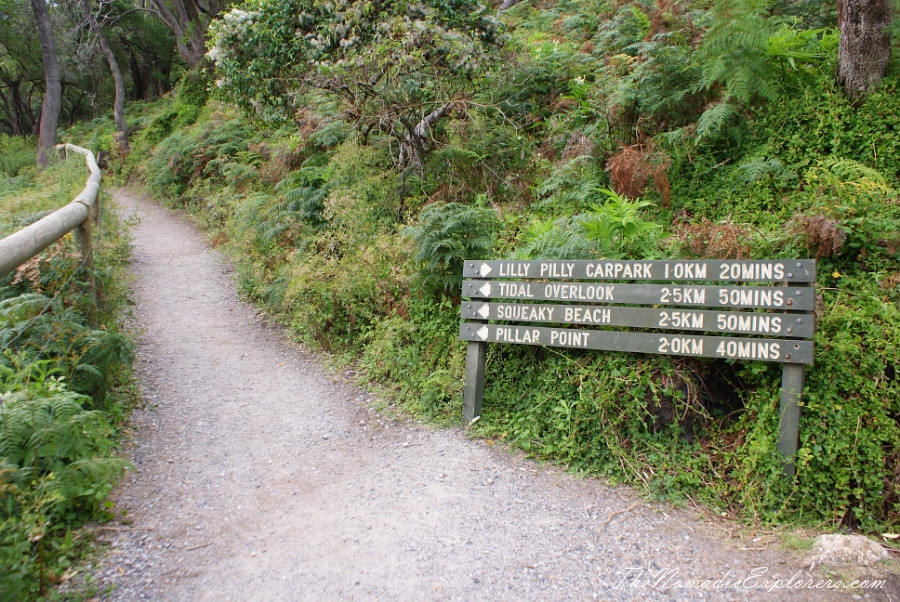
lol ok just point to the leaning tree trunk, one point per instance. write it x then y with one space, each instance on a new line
53 94
119 102
188 26
865 45
507 4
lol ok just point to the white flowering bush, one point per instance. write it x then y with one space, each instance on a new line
389 64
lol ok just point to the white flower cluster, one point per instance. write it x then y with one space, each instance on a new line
230 29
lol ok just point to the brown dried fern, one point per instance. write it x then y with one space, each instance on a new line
634 166
823 235
711 240
31 269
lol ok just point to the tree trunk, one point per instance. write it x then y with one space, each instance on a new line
137 77
507 4
12 120
865 45
53 93
415 146
188 26
119 102
18 113
24 114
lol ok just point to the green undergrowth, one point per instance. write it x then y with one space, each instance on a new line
26 195
639 134
63 393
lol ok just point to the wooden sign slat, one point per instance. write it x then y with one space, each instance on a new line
737 297
700 320
678 270
765 350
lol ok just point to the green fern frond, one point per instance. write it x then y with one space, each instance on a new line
844 174
806 45
448 234
21 308
611 229
715 119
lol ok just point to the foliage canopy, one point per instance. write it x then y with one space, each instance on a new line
389 64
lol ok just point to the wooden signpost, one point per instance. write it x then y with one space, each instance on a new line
763 311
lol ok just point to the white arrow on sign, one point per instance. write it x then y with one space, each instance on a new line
485 269
484 311
483 333
485 290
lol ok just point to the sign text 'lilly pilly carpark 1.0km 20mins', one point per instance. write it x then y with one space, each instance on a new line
786 309
799 270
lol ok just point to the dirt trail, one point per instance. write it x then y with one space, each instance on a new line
261 477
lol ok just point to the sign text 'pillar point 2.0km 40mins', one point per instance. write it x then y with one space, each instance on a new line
772 350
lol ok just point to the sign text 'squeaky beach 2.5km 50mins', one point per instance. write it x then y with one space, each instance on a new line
699 320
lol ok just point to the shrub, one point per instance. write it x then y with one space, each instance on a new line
334 299
58 404
17 154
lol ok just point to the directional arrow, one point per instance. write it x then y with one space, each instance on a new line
485 269
483 333
485 290
484 311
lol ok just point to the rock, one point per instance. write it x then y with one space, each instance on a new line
847 549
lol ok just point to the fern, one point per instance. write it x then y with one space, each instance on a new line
846 174
769 171
572 186
716 119
34 329
745 58
613 229
800 48
547 239
446 236
304 192
51 443
733 53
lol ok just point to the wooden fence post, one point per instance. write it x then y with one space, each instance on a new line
77 217
82 236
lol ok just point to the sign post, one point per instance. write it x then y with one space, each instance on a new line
792 377
760 310
474 391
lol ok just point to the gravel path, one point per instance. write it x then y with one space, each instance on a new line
261 476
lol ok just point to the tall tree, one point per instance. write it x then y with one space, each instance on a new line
21 72
119 102
150 50
865 46
53 91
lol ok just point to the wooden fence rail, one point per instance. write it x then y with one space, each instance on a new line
77 216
